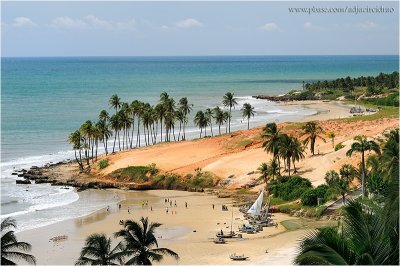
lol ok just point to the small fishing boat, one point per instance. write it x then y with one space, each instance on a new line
238 257
227 235
219 240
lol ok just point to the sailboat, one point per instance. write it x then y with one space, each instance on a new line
231 234
255 209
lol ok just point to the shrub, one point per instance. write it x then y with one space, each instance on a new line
134 173
103 164
289 188
309 198
170 180
158 178
339 146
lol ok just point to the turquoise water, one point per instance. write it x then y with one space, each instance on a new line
44 99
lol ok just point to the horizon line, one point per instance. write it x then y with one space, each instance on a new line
215 55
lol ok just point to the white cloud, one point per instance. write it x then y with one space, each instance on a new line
269 27
92 22
68 23
164 27
308 24
23 21
367 25
188 23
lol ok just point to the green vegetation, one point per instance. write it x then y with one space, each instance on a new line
103 164
368 233
11 248
339 146
289 188
135 173
247 112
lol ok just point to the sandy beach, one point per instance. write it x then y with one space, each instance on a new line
189 231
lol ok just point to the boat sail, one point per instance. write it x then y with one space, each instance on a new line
255 209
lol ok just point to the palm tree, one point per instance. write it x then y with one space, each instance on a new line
180 116
186 108
363 238
11 248
272 137
390 154
297 152
264 170
348 172
290 150
139 241
75 139
208 114
200 121
312 131
115 124
247 112
219 117
115 102
229 101
332 136
97 251
274 168
361 145
226 118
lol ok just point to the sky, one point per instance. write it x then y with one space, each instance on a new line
196 28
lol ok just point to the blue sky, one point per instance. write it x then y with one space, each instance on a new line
194 28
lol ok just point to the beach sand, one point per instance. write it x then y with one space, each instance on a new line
189 231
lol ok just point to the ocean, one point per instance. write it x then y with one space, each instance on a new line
44 99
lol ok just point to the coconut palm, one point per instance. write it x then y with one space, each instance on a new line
75 139
140 244
312 131
115 102
274 168
200 121
390 154
229 101
97 251
103 126
208 114
264 171
226 118
348 172
186 108
290 149
361 239
219 117
332 136
247 112
297 153
272 138
11 248
115 124
361 145
180 116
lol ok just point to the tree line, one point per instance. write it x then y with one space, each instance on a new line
382 80
132 121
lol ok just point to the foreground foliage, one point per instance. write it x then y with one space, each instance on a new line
11 248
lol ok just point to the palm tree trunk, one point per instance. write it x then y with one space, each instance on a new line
161 128
104 144
97 146
184 130
173 132
294 167
248 123
312 146
212 134
201 131
133 129
138 133
288 165
115 139
119 141
229 118
179 134
219 128
123 138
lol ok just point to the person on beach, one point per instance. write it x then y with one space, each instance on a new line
186 205
170 203
165 200
129 210
213 206
151 208
119 206
108 208
166 210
